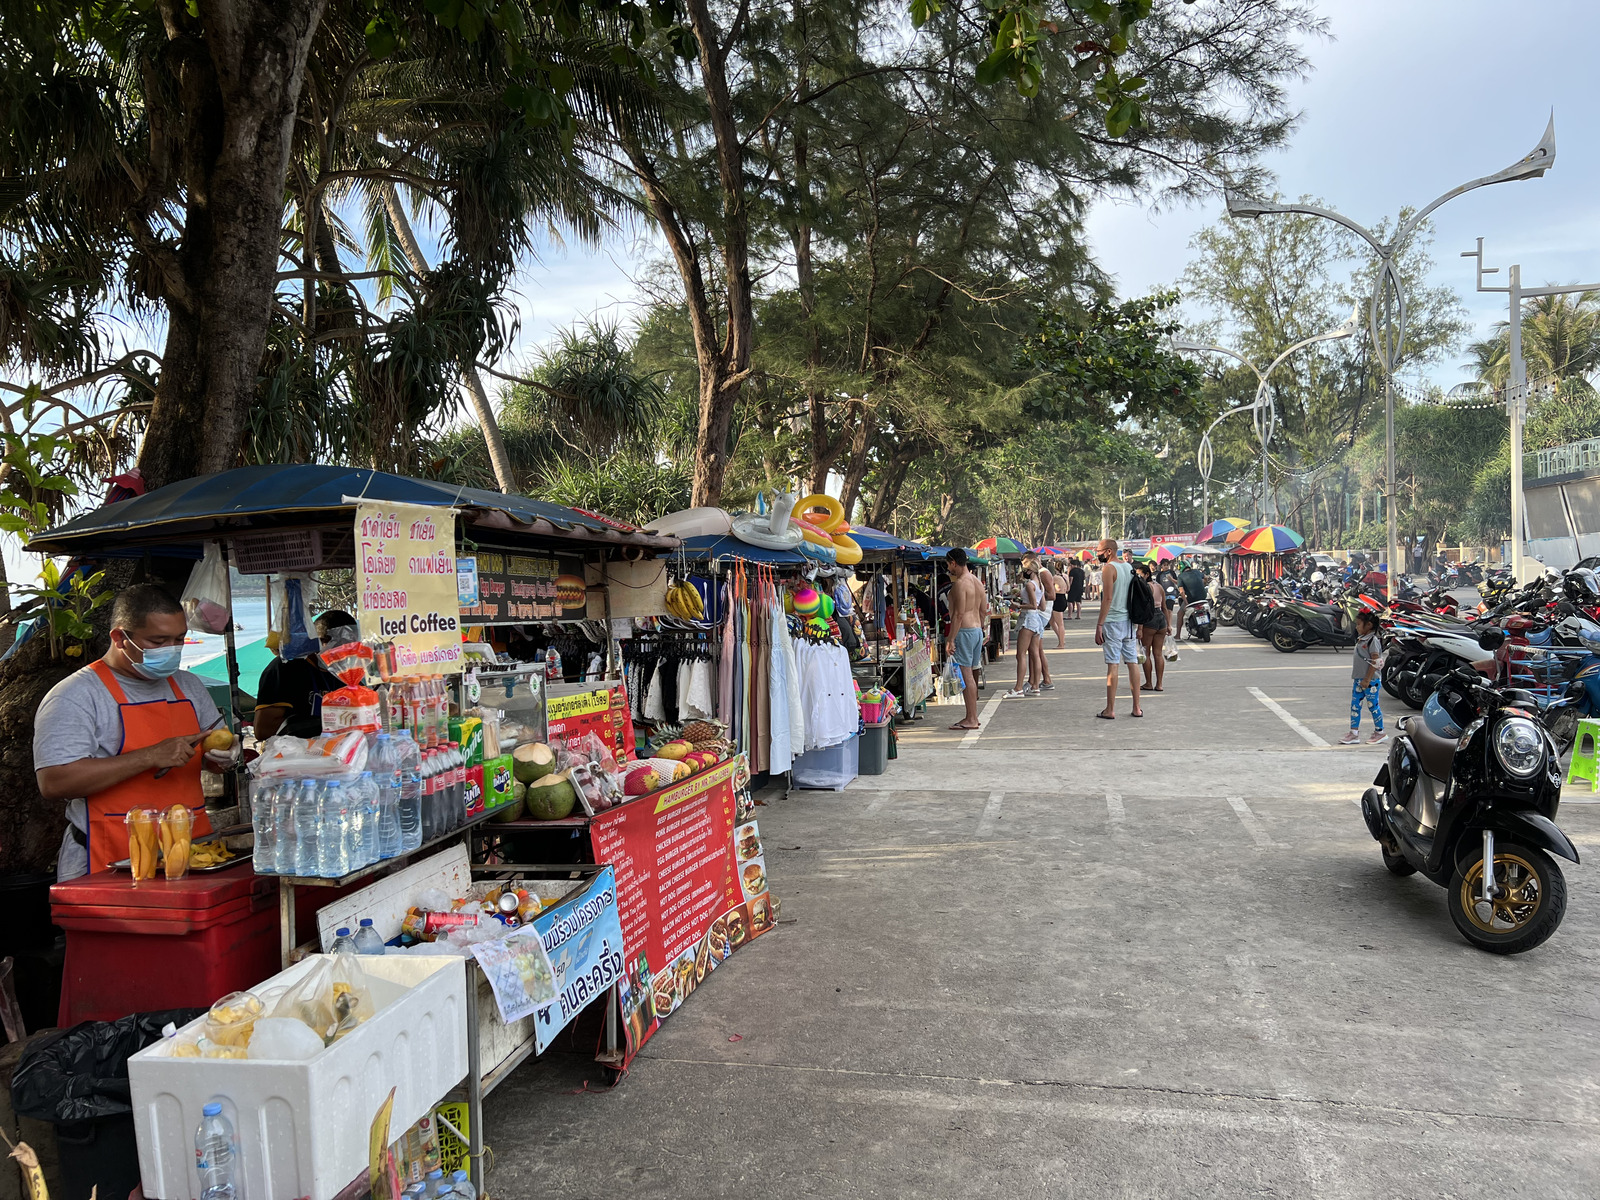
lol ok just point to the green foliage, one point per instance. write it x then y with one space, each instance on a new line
66 607
1111 362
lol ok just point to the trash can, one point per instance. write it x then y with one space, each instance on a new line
78 1081
874 753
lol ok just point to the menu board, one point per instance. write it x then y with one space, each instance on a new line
919 674
406 603
602 711
514 587
691 885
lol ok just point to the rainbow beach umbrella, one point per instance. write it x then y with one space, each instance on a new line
1052 551
1271 539
1220 529
1000 545
1162 553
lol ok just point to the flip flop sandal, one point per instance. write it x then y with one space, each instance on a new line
1138 714
1106 716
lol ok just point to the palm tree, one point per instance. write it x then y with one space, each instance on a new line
1560 339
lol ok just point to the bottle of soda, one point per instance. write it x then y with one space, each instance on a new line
216 1155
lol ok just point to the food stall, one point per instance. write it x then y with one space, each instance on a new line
668 840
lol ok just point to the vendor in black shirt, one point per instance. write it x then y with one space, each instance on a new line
289 698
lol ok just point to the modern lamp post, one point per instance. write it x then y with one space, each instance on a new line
1387 310
1517 384
1265 415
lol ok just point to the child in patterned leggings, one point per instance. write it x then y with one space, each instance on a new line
1364 680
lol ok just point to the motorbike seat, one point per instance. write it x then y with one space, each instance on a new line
1436 753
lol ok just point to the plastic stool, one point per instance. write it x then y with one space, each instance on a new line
1586 763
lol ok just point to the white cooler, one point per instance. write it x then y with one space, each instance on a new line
303 1127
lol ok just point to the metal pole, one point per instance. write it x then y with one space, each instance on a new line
1514 409
1391 352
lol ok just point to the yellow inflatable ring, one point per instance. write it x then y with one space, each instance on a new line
814 533
835 511
849 551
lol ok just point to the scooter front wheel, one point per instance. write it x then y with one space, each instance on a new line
1531 899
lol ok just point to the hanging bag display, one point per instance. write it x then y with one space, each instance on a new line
205 597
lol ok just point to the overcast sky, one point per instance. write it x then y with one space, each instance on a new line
1407 99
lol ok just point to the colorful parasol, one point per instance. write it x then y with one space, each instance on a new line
1000 545
1086 555
1162 553
1051 551
1220 529
1271 539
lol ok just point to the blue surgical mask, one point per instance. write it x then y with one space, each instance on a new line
159 663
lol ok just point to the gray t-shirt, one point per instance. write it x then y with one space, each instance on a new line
1369 656
78 718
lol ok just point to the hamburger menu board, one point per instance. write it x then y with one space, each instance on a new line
691 887
514 587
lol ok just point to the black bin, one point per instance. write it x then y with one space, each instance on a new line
77 1080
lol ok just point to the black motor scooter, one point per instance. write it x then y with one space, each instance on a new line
1474 780
1198 620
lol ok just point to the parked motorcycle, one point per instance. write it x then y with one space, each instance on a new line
1299 624
1476 780
1198 620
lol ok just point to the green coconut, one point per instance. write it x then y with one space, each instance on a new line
507 812
551 798
532 761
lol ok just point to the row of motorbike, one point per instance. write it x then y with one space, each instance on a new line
1469 792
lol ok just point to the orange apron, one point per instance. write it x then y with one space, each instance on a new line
144 725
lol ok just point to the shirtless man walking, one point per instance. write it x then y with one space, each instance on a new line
969 616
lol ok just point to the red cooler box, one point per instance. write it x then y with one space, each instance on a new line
164 944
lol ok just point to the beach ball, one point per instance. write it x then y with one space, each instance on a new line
807 602
827 605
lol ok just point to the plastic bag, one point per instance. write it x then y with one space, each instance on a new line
284 1040
205 597
82 1073
294 618
331 999
327 756
350 708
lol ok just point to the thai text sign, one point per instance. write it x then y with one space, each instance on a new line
406 581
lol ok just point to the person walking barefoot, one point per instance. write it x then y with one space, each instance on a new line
1154 634
1029 628
969 612
1113 632
1076 578
1058 605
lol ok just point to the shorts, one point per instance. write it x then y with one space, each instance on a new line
1121 644
1034 621
1060 604
968 648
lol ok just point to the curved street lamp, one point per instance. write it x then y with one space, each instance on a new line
1388 293
1264 415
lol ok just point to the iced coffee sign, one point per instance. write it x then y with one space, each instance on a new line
406 573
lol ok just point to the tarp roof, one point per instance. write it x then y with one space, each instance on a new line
309 494
717 546
877 541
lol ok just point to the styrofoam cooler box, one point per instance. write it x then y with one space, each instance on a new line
830 767
303 1127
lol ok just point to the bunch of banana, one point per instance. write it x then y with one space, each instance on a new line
175 834
683 600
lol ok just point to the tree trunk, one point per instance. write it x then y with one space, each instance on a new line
856 469
241 69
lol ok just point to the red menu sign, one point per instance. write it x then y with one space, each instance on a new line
691 884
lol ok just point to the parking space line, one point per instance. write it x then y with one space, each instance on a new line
991 814
971 739
1285 716
1114 808
1248 819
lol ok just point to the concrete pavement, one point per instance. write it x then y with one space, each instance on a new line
1072 957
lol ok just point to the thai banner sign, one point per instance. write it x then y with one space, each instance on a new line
407 605
919 674
691 887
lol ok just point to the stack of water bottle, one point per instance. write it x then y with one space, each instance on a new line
216 1153
395 797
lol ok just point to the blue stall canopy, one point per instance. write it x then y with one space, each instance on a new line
720 546
175 519
876 541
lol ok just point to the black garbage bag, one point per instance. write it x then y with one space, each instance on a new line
82 1073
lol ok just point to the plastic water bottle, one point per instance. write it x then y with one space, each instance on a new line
334 835
384 760
462 1186
369 827
355 825
408 762
343 943
367 939
266 842
283 828
216 1154
435 1185
307 820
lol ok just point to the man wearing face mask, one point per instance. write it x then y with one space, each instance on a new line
102 733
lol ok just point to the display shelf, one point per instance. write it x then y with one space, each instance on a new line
288 883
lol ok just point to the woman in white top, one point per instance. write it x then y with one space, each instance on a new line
1030 653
